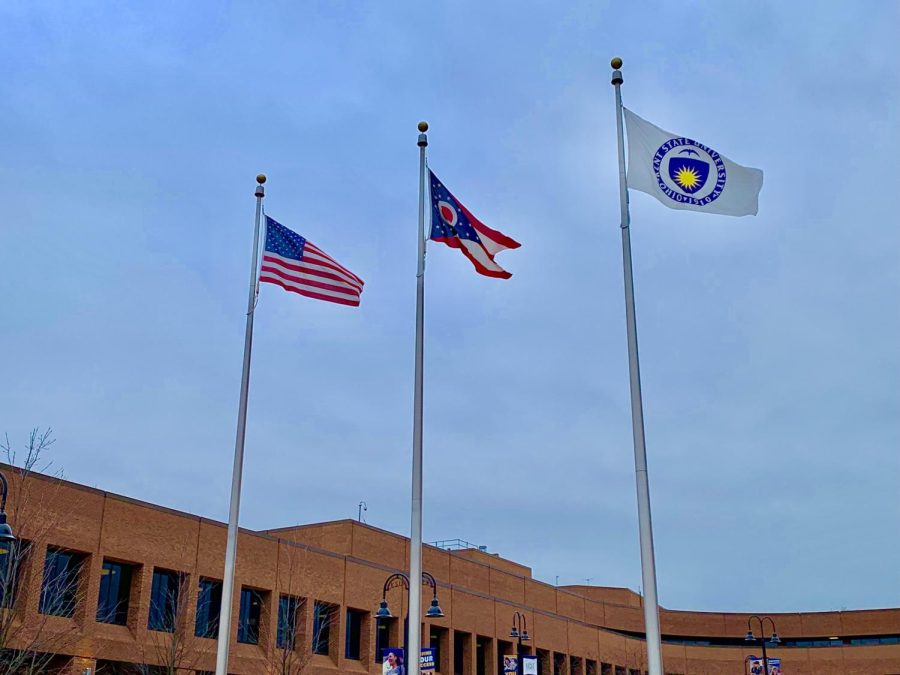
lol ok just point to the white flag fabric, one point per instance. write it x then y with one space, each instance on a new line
685 174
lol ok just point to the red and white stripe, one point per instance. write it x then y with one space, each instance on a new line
482 254
316 275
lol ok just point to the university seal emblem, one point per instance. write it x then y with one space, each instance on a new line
688 172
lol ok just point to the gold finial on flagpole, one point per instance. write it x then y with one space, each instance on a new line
616 63
261 178
423 126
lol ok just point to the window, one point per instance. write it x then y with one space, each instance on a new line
248 619
383 629
575 663
437 638
288 621
59 590
482 654
590 667
165 593
209 603
323 615
462 664
12 556
115 589
559 664
353 643
543 661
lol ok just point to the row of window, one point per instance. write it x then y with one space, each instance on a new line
61 585
59 596
169 590
739 641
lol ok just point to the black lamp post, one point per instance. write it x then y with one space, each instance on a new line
520 632
6 533
762 637
400 579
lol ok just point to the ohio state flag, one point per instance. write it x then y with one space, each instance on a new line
452 224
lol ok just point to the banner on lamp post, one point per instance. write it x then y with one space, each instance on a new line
756 665
392 661
426 660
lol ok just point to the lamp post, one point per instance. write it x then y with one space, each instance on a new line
520 632
6 533
762 637
400 579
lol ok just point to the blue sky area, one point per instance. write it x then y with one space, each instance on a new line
769 344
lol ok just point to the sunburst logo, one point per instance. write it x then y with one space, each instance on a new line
687 178
688 172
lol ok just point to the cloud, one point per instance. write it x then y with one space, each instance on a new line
768 344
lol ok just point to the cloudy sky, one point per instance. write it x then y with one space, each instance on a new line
769 345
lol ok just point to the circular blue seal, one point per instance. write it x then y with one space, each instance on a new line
688 172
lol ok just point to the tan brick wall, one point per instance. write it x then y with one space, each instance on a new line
345 563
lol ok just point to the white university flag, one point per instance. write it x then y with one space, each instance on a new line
685 174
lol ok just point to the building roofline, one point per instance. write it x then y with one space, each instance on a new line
272 535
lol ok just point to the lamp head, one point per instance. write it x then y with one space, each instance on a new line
383 611
525 635
775 639
514 633
435 611
749 637
6 533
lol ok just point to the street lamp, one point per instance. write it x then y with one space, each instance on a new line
400 579
6 533
520 632
762 637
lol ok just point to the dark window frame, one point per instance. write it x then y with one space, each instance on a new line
383 636
461 655
437 635
165 598
324 614
355 620
114 594
290 611
61 582
13 557
250 615
209 608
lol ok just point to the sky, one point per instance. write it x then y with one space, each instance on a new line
132 133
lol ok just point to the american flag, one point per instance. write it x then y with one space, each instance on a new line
300 266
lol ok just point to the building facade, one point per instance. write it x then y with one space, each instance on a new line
109 584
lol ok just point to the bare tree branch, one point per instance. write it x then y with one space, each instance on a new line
30 647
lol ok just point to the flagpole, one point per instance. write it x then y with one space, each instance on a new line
415 537
645 525
237 471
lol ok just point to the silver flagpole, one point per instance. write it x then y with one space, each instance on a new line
645 525
415 537
231 546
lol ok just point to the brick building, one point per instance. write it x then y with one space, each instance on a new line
143 577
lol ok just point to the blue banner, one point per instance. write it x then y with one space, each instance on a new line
426 660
